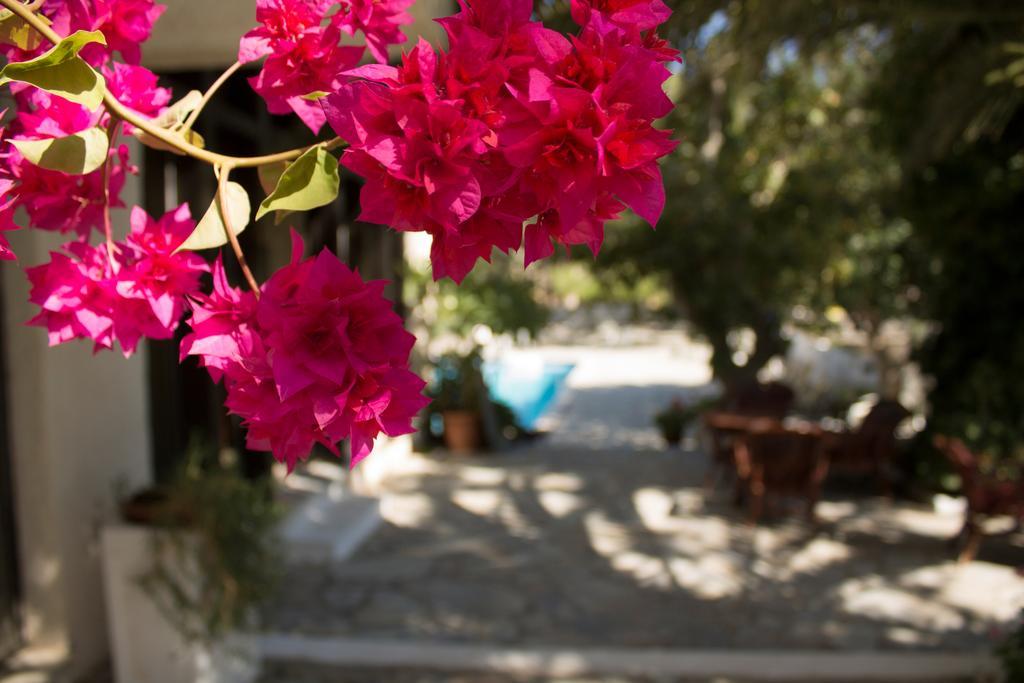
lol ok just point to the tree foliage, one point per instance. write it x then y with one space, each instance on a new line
865 153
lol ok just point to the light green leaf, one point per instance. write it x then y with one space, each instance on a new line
15 31
62 72
76 154
172 120
315 96
189 136
210 232
174 116
311 181
270 176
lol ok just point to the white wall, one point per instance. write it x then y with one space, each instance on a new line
79 431
79 426
200 34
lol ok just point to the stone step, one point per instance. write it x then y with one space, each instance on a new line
551 663
330 525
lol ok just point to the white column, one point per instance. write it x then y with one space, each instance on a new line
79 435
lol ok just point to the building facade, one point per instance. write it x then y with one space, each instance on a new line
78 430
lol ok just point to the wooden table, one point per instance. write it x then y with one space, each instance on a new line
772 457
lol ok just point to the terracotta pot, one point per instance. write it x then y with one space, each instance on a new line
154 507
461 431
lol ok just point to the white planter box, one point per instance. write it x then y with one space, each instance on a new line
145 646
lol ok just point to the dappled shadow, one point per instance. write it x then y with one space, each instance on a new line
611 417
583 547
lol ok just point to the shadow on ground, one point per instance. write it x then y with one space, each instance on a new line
576 547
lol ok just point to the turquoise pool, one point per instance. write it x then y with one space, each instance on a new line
529 389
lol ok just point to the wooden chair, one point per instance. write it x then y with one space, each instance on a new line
986 496
773 399
747 400
773 459
871 448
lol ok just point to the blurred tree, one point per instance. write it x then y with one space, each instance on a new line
866 153
775 196
500 297
954 112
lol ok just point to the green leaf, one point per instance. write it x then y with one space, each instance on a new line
174 116
311 181
315 96
210 232
76 154
189 136
62 72
270 176
15 31
173 120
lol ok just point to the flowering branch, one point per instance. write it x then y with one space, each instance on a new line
210 92
107 227
141 122
512 136
225 215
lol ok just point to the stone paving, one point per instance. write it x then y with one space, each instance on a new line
305 673
591 548
596 538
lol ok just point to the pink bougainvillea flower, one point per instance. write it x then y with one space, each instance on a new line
154 273
58 202
303 56
454 252
42 115
549 230
136 290
223 336
604 16
53 200
557 132
136 87
319 358
63 203
7 206
380 21
428 165
124 23
75 292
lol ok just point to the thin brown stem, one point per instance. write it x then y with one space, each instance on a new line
229 229
108 228
167 137
210 92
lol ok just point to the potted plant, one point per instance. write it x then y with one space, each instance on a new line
185 574
674 420
459 395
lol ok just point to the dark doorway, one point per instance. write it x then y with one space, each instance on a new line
9 588
186 407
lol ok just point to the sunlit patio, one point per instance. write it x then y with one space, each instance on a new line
565 544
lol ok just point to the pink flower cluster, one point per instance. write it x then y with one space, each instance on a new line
320 356
515 136
516 124
124 23
300 40
138 290
7 206
53 200
6 217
